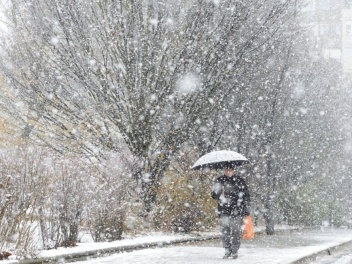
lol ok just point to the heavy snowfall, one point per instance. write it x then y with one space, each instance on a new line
105 106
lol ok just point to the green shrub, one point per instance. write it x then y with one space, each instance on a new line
184 203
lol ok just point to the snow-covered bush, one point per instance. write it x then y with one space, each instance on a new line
66 198
23 181
112 192
46 199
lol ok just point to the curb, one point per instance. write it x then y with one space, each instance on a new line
327 251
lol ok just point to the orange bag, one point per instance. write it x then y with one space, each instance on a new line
248 231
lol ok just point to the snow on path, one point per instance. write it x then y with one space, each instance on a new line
281 248
278 249
345 260
344 257
197 255
206 255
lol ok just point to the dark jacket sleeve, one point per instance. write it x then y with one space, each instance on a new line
216 190
246 200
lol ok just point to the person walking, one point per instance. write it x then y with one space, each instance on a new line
232 194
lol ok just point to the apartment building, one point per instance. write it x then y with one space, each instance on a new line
331 24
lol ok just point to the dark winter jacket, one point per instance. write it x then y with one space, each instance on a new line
235 200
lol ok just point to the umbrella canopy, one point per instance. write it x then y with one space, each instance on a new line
220 159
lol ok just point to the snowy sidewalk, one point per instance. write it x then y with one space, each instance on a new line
283 247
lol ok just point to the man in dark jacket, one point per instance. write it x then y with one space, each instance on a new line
233 198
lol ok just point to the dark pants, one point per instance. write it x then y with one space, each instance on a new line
231 230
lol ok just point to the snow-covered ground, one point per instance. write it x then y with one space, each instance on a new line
283 247
335 259
280 248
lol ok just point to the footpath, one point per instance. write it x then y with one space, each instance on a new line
288 245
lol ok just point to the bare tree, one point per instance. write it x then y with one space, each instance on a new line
285 113
88 73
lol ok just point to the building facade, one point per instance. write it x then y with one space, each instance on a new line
331 23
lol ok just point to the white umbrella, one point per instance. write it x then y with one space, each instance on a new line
220 159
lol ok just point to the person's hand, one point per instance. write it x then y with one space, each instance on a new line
246 211
223 199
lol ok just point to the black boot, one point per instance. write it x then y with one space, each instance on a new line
227 253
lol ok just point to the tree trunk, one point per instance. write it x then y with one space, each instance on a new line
269 216
148 182
74 229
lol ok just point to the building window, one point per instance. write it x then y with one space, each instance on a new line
323 29
324 5
348 4
348 54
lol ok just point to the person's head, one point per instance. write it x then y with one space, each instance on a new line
229 171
